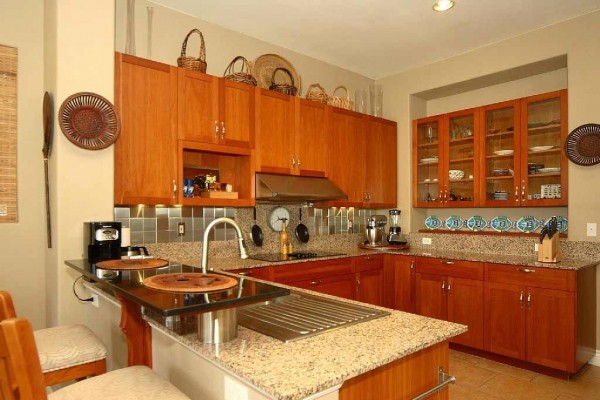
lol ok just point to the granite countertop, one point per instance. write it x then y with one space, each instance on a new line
295 370
225 264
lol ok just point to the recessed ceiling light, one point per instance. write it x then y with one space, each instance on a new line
443 5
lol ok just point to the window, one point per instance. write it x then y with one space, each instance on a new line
8 134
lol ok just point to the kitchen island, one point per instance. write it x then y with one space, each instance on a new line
397 355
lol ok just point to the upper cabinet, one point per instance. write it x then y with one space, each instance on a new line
214 110
380 163
505 154
292 135
146 150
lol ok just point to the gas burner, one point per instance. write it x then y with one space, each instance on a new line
298 255
302 255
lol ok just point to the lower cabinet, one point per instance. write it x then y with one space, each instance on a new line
452 291
403 277
369 279
340 285
531 315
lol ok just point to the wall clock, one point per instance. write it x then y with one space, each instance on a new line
277 216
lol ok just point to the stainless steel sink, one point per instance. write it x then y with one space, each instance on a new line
297 316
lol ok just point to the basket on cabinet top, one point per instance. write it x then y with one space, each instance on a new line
285 88
243 76
193 63
341 102
316 93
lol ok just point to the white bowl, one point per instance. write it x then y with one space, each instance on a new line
456 174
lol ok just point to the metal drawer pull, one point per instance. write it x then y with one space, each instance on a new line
444 380
521 299
245 273
217 129
526 270
449 287
447 262
529 300
443 285
222 130
314 283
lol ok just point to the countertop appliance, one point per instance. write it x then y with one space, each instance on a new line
298 255
395 232
374 229
102 240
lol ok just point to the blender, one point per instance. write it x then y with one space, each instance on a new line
395 235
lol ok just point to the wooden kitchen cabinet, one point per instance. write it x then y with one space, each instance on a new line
264 273
146 149
404 282
369 279
531 315
214 110
341 285
453 291
380 163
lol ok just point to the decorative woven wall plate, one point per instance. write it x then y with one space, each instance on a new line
263 67
89 121
583 145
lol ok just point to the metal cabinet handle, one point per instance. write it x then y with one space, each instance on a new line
447 262
523 197
521 299
298 162
222 129
443 285
529 300
449 287
526 270
516 193
358 281
217 129
315 283
444 380
412 265
245 273
293 162
174 185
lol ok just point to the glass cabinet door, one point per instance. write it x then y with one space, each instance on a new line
427 185
460 168
500 161
544 171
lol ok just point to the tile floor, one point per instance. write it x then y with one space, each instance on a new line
479 378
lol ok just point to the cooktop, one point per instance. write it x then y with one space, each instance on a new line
297 255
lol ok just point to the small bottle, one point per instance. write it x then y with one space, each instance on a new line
290 249
283 240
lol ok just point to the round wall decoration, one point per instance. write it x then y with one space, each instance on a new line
583 145
89 121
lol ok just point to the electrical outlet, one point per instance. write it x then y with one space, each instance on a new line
591 229
95 300
426 241
536 247
181 228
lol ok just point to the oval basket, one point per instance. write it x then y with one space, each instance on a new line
89 121
193 63
315 92
341 102
285 88
243 75
582 146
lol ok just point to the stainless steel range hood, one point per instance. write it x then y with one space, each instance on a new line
286 188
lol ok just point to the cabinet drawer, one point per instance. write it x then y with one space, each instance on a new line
531 276
264 273
446 267
312 270
369 262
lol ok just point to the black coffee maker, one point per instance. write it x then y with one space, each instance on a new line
102 240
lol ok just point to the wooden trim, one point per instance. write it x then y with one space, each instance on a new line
137 331
76 372
486 233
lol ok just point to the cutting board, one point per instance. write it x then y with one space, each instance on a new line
190 282
138 263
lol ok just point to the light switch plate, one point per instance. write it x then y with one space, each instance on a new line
591 229
426 241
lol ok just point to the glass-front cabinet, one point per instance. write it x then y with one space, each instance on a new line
544 163
427 162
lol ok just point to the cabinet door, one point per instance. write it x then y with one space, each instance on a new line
347 162
427 162
544 130
236 106
275 132
405 280
146 150
461 171
341 285
197 106
500 161
465 306
431 296
504 320
550 328
369 286
312 138
381 163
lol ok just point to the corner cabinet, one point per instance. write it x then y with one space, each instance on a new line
146 149
507 154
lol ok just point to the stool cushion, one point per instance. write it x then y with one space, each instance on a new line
131 383
66 346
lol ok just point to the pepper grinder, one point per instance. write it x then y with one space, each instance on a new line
283 238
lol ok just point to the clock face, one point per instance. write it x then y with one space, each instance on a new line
276 218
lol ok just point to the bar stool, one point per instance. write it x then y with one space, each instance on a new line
21 375
65 352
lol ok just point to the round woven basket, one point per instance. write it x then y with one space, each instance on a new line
285 88
341 102
316 93
243 75
193 63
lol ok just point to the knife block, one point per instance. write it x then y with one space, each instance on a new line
548 251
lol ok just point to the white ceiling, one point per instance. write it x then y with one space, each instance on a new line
377 38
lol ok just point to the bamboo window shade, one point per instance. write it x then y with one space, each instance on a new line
8 134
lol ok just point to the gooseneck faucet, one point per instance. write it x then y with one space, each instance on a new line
238 233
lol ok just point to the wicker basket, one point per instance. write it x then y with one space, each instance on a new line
193 63
341 102
284 88
243 76
316 93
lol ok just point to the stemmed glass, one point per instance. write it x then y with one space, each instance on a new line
429 133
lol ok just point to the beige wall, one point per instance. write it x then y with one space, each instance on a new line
22 244
577 38
222 45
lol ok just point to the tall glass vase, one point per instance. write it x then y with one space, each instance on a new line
130 32
376 99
